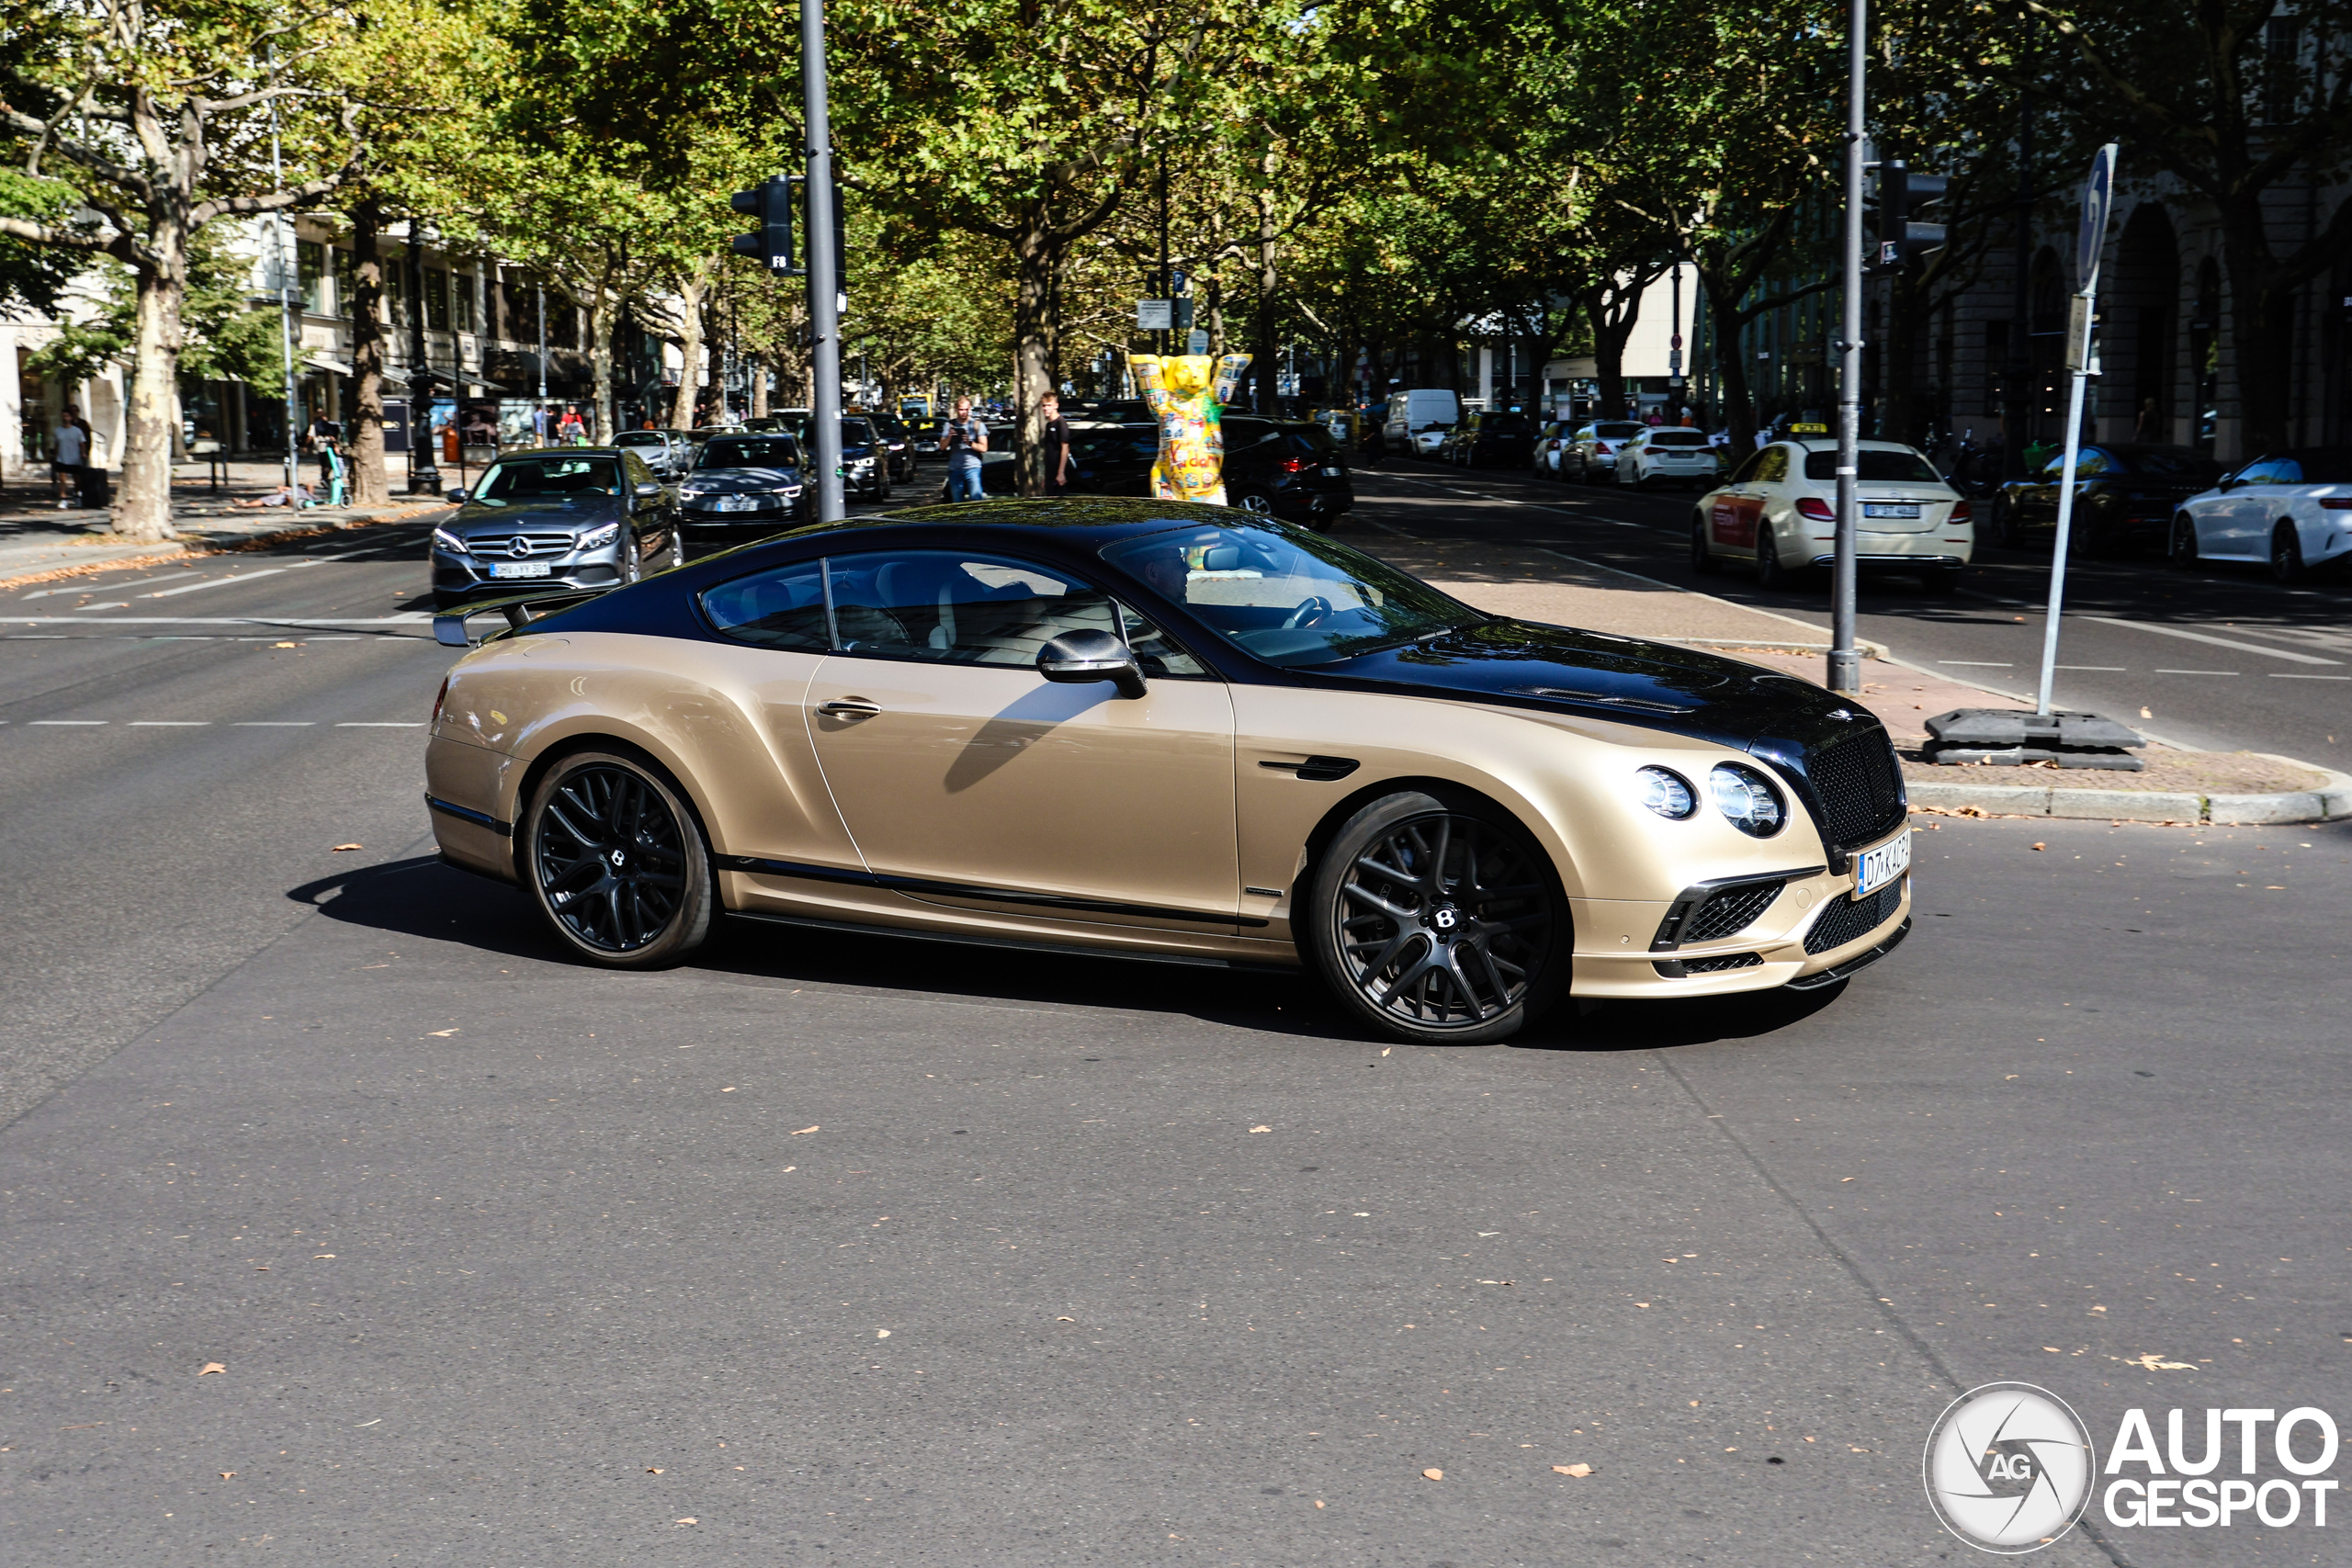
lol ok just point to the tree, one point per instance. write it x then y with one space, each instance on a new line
155 117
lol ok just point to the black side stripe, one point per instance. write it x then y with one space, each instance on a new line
919 885
464 814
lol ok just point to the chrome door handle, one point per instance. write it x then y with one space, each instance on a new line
851 709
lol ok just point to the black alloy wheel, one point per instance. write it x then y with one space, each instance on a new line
617 864
2286 553
1438 923
1703 559
2005 524
1770 573
2182 551
1251 501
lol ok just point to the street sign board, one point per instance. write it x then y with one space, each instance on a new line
1155 315
2078 333
1198 343
2098 200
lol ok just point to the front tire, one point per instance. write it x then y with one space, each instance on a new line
2182 551
1770 573
617 864
1437 923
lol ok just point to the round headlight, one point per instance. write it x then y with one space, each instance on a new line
1746 799
1665 793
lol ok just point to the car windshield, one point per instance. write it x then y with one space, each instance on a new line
1879 464
1617 432
541 481
763 452
638 438
1504 423
1288 599
856 433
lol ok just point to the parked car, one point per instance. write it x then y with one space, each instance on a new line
1665 454
1552 439
1490 438
1592 455
1286 468
669 453
2292 509
1168 730
568 517
1778 510
2125 495
897 441
744 485
1418 420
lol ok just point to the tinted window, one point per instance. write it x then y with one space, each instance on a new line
783 608
2173 463
2271 471
1287 599
1748 469
1245 433
1617 431
1771 464
1315 442
1092 445
856 433
638 438
1503 425
769 451
1877 465
1677 438
960 609
525 481
639 474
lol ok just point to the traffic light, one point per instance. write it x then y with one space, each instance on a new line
1902 238
770 201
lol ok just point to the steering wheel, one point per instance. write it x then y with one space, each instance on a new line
1309 611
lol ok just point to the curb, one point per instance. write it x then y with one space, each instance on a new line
1867 649
202 546
2331 801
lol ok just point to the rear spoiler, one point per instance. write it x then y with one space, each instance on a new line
450 625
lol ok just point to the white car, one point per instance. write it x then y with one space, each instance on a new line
1552 439
1667 454
1780 511
2290 509
1592 453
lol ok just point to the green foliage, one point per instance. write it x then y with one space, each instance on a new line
32 277
228 338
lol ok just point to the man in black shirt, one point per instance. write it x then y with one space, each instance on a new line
1053 434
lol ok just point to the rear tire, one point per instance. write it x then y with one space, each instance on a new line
1770 573
615 863
1703 559
2183 550
1437 923
2287 554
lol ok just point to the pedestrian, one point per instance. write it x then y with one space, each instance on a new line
571 432
540 417
962 438
318 438
69 455
1053 434
2149 431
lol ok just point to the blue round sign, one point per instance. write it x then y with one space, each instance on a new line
2098 199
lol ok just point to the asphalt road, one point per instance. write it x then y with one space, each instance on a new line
857 1250
2222 658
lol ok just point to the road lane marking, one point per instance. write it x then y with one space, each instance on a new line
2108 669
382 724
2161 670
65 721
215 583
169 723
2285 675
273 723
2240 646
1980 663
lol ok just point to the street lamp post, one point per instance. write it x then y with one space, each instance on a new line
1845 660
824 285
423 475
285 332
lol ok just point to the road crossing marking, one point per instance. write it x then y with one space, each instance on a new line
215 583
2263 649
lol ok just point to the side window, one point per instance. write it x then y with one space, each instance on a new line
639 474
1158 652
780 608
2264 472
1747 470
2285 471
1771 465
939 604
2088 461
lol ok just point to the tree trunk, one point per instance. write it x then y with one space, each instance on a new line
601 316
1269 282
1738 411
758 365
694 287
143 512
1034 258
369 485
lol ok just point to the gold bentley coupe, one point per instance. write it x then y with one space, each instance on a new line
1168 731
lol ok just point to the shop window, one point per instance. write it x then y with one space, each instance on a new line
437 300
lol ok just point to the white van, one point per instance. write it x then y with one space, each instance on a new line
1418 420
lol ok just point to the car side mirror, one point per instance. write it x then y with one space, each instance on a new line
455 497
1080 658
2225 481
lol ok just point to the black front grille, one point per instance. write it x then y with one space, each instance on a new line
1733 909
1710 965
1847 919
1859 786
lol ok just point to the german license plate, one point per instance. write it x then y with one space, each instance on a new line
736 504
1890 509
521 569
1874 869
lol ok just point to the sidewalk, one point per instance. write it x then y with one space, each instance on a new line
1537 584
38 542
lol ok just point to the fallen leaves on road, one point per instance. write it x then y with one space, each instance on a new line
881 1333
2145 714
1579 1469
316 1256
285 645
440 1034
1065 1320
2152 1360
1262 1129
2040 845
210 1367
1433 1475
797 1131
651 1470
340 848
1641 1303
689 1520
228 1476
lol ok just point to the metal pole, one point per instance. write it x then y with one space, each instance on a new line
1845 661
2058 546
539 310
824 298
286 333
1167 282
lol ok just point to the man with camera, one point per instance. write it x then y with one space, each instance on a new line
963 439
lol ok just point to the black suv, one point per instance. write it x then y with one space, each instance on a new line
744 485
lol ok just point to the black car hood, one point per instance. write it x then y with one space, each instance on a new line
579 511
1594 675
737 481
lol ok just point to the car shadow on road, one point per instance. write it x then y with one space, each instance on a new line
1614 1027
421 896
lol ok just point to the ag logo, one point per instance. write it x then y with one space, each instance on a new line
2008 1468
